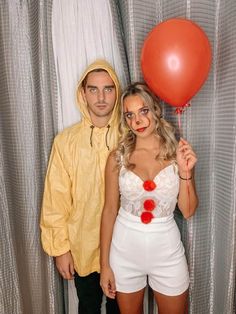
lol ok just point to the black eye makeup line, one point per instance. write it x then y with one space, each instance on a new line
140 110
143 108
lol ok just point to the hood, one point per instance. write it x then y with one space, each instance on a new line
99 64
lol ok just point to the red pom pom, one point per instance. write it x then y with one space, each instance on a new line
149 185
149 205
146 217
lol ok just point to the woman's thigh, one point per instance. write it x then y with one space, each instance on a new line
131 303
171 304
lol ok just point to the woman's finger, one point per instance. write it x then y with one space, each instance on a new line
189 153
182 140
185 147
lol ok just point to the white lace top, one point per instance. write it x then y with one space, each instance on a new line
163 196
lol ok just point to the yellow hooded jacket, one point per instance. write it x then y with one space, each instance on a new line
74 186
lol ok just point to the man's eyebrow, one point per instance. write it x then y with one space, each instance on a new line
106 86
109 86
91 86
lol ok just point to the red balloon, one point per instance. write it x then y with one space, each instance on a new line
175 60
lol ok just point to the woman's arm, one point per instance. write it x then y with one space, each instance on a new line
186 159
109 214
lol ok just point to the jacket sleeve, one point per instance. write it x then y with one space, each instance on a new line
56 205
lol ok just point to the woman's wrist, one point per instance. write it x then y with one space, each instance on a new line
105 265
185 175
186 178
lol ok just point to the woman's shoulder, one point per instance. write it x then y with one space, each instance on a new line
113 160
115 157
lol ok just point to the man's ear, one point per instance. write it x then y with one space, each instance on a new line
83 94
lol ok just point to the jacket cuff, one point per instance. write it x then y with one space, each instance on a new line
55 241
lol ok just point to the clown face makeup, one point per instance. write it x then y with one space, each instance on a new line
138 116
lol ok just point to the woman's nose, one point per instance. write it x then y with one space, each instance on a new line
137 119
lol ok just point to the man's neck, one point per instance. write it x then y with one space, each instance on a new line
99 122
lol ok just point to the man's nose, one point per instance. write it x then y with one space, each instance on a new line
101 96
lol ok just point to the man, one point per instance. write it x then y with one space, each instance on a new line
74 186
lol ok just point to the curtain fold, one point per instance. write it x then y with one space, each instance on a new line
209 124
28 117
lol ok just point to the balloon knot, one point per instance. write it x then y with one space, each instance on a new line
181 109
187 105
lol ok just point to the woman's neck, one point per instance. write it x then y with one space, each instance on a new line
150 143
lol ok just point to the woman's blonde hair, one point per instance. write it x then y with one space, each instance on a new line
163 128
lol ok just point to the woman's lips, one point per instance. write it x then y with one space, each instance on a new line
141 129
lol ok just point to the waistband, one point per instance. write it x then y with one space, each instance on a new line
135 222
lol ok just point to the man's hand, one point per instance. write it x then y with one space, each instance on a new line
65 265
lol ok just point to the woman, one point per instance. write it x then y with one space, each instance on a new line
147 175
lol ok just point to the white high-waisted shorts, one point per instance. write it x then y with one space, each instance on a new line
153 252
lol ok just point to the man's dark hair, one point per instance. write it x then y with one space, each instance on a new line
84 82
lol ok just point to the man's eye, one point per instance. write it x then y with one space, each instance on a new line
93 90
108 89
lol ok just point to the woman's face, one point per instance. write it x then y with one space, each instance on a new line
138 116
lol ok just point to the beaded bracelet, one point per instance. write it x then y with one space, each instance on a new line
185 178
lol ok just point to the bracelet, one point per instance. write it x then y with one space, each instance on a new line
185 178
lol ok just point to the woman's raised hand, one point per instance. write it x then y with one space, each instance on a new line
186 157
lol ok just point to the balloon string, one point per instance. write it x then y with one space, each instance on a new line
179 112
188 188
179 123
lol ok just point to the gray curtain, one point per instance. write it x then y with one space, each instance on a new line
209 125
28 123
28 282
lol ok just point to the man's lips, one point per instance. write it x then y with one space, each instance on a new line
102 106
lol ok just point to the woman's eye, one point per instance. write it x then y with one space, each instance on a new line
128 115
144 111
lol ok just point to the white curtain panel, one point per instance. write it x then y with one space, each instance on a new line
83 31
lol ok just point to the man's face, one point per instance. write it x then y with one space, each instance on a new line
100 94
